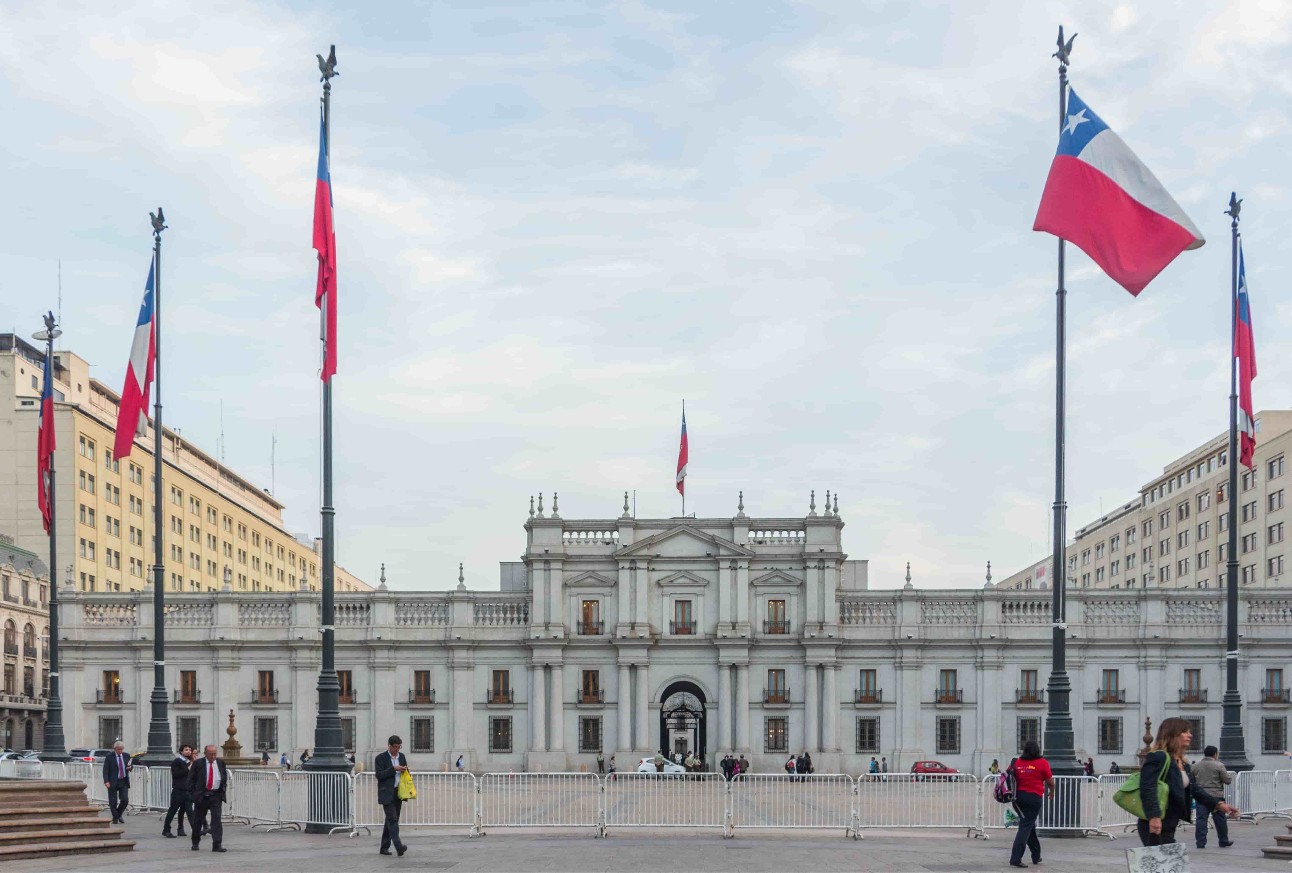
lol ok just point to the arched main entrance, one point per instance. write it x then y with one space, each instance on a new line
681 720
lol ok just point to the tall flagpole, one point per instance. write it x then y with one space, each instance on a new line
1233 751
54 747
160 751
1060 742
329 749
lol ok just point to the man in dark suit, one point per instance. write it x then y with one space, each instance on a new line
179 799
116 778
208 782
388 766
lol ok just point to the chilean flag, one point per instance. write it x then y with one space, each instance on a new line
1102 199
681 458
45 446
1245 351
325 245
139 374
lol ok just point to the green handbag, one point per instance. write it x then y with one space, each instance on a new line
1127 797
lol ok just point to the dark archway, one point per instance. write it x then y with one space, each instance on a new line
682 719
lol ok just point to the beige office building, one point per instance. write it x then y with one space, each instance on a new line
221 529
1175 534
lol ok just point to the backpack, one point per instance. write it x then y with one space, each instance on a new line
1006 788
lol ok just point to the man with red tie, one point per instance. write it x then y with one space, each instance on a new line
208 781
116 778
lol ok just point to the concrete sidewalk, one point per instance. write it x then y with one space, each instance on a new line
908 851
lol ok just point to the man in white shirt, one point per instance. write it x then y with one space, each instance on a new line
388 766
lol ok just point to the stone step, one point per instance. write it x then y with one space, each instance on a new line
72 802
1283 852
53 850
50 821
67 809
1283 839
60 835
39 786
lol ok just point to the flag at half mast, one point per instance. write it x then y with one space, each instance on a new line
682 458
1245 352
1101 198
139 374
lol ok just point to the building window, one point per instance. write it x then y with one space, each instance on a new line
1099 574
1182 539
109 731
776 690
188 686
868 734
1164 520
1115 568
1274 501
1274 533
266 738
1274 467
1182 567
1085 557
1249 574
1204 501
111 687
868 686
264 691
776 735
1182 511
1274 736
1198 729
1130 560
1192 690
683 622
422 692
347 734
590 686
1114 542
1249 480
1164 547
424 734
949 735
1110 687
948 690
1029 728
1249 511
1110 736
590 617
1274 566
590 733
188 731
345 679
777 620
500 687
1204 560
1099 552
1130 535
500 734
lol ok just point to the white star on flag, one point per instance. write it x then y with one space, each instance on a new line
1075 120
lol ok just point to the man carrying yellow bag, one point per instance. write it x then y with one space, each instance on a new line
394 786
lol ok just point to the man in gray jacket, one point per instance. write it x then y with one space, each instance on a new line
1212 777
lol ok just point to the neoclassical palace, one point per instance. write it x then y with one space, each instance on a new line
751 635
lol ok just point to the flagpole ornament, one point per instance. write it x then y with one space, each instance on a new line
327 67
1063 54
1235 207
158 220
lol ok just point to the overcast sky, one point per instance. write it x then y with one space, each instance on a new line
557 220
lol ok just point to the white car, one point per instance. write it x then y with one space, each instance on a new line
647 765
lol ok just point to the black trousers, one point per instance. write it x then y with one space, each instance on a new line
118 799
390 833
208 803
1028 806
179 803
1200 817
1169 823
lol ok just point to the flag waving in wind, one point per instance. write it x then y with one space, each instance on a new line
139 374
1101 198
325 245
1245 352
45 445
681 458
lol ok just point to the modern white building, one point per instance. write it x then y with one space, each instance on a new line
756 636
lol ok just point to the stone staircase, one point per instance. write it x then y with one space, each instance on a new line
1282 848
44 818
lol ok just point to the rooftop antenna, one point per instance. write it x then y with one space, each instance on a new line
634 503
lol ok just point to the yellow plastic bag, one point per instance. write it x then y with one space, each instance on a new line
406 790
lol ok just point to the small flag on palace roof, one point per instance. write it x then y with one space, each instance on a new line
139 374
1101 198
1245 352
682 458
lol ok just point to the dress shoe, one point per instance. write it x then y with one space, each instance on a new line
383 851
401 850
1017 864
219 849
195 847
1226 845
182 834
169 834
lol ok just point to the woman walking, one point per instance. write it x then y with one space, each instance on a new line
1165 762
1033 782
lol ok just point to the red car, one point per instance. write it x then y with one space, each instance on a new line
931 769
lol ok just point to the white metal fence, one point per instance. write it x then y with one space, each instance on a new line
693 802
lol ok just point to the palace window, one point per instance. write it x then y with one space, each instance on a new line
266 730
109 731
948 735
776 735
1110 736
500 734
590 733
868 734
423 734
1029 728
1274 736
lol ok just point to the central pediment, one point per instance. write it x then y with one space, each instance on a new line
684 542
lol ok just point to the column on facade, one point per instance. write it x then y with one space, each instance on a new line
742 707
624 741
538 592
742 592
811 709
642 575
538 708
556 591
810 592
641 710
724 708
461 707
556 736
830 711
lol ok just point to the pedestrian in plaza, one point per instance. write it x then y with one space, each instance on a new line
179 800
613 777
208 784
601 762
1033 782
305 757
873 767
743 765
994 769
1089 766
883 765
116 778
791 766
462 763
1115 769
1212 778
284 762
264 757
388 767
808 767
1165 761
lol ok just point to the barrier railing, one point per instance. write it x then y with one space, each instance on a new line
1109 816
321 799
905 800
1255 795
695 801
443 800
255 796
540 800
818 801
157 786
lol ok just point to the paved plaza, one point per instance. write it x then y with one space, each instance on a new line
932 850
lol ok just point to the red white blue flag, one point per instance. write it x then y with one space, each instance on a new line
45 446
1245 352
139 374
1101 198
681 458
325 245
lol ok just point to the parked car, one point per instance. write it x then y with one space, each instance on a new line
931 770
89 756
647 765
10 756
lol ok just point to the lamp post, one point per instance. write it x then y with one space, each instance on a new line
55 746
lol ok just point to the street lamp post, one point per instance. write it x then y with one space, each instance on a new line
55 746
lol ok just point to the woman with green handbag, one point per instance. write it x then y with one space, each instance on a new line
1166 786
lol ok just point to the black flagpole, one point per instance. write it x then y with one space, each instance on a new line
160 752
327 806
1060 742
54 746
1233 750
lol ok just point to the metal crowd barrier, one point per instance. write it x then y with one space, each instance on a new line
654 800
817 801
540 800
906 800
443 800
1255 794
329 804
255 796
